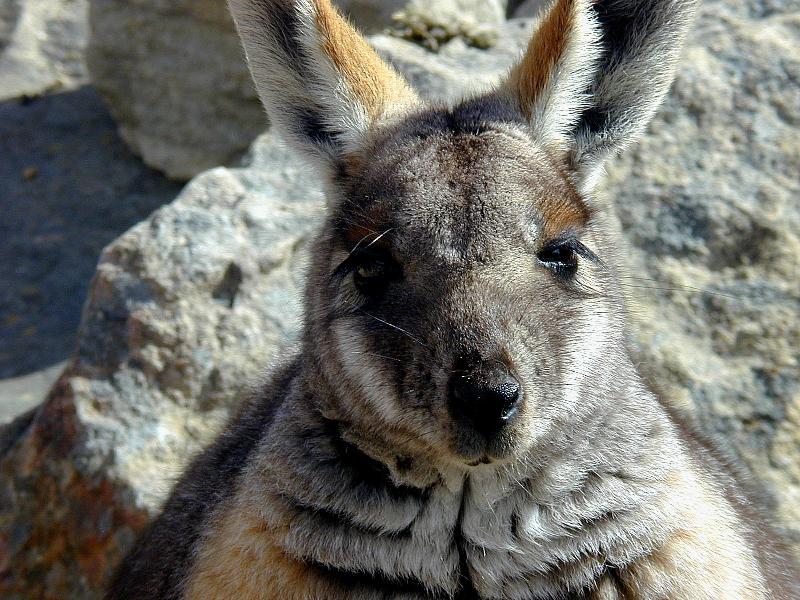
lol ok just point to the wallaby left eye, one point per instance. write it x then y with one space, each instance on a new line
560 256
372 274
370 270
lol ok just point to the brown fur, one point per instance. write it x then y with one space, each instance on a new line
373 82
562 205
241 561
546 49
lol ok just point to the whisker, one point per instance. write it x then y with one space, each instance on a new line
682 289
376 354
397 328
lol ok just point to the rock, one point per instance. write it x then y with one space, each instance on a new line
710 203
707 203
530 8
370 16
173 76
42 46
21 394
491 12
9 16
457 68
184 310
435 23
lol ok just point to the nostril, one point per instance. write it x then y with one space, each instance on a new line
508 391
507 395
487 406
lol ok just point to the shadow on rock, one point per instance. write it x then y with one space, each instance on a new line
68 187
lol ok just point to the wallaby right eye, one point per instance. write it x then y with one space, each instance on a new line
560 256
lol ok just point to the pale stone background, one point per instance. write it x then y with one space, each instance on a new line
200 296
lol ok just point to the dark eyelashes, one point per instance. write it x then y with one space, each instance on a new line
584 252
571 242
358 257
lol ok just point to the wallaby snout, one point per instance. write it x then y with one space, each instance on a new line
483 398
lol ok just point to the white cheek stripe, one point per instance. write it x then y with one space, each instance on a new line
584 352
361 368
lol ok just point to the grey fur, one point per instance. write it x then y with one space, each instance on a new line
641 42
350 463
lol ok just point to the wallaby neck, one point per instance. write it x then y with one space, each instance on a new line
550 508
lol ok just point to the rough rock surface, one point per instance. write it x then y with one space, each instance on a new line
184 311
435 23
42 45
457 68
530 8
708 204
173 75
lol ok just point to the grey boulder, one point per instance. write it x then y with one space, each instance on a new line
42 44
199 299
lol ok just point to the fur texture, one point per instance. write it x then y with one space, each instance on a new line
462 242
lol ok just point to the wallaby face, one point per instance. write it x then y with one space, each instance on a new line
465 295
460 289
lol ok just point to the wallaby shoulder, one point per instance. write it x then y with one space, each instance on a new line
716 461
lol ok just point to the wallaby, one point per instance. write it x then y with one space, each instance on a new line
463 419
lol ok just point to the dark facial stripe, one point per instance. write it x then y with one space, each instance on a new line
331 519
366 470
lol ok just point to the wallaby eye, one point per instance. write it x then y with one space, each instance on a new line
367 271
560 256
372 274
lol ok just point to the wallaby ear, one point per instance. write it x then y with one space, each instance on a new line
551 79
323 86
641 42
595 73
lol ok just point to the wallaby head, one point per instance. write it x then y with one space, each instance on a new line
462 302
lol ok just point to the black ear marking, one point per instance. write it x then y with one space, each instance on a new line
641 42
594 119
309 123
281 19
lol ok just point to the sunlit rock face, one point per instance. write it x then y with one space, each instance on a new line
42 46
189 308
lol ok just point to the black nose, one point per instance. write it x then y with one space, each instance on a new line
486 403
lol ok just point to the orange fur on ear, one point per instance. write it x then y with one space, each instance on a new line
551 80
545 50
374 83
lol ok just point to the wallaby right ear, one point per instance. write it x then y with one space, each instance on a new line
641 43
594 74
323 86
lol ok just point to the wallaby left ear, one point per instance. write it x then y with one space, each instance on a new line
595 72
